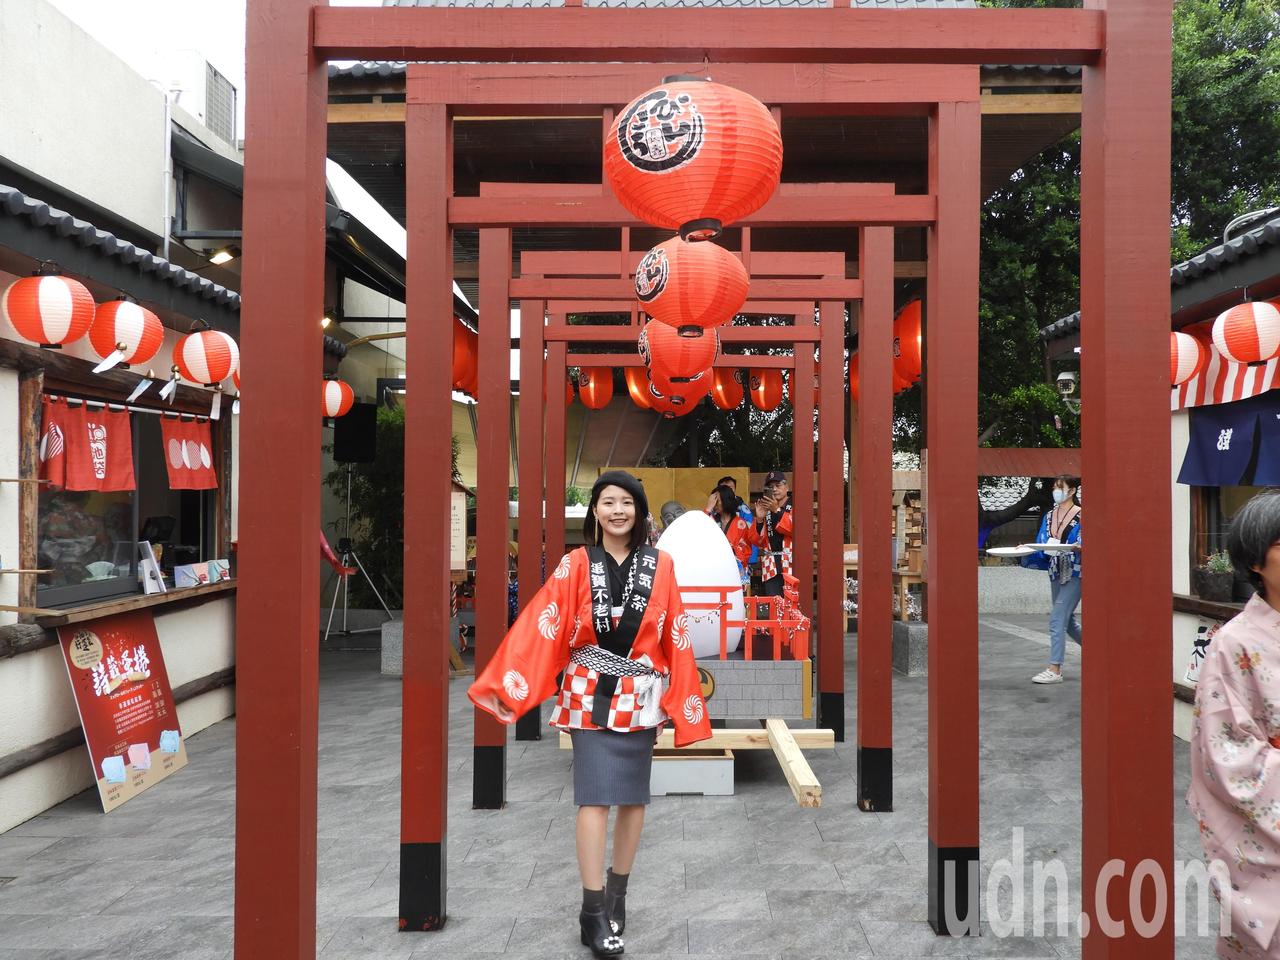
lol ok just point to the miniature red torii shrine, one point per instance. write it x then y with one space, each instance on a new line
825 61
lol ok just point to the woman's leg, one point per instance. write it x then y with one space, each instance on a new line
1058 624
592 827
1070 596
626 836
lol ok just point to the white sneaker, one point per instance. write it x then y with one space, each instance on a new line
1047 676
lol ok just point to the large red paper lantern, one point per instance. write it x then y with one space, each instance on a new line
693 155
907 362
1248 333
125 331
691 286
674 357
465 359
48 310
595 387
676 400
207 356
637 386
765 387
1187 357
336 398
726 387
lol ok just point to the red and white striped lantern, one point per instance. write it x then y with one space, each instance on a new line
48 310
207 357
124 332
336 398
1248 333
1187 357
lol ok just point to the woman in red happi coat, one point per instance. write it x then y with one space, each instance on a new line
610 620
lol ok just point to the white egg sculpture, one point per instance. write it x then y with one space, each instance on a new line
702 558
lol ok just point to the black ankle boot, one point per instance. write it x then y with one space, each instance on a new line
594 922
615 900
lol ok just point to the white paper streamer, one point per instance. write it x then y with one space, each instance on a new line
139 390
170 390
235 407
111 360
215 411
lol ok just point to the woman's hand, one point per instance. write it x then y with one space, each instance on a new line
713 503
499 709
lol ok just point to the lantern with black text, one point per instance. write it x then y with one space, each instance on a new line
691 286
726 387
765 387
124 332
907 361
1187 357
336 398
674 357
1248 333
48 310
207 357
595 387
694 156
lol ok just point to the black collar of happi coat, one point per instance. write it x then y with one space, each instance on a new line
634 601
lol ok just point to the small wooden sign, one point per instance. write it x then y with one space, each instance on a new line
457 530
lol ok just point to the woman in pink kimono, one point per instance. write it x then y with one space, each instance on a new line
1235 741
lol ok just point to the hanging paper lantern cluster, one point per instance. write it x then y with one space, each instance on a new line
336 398
1187 357
1248 333
691 286
595 387
694 156
124 332
48 310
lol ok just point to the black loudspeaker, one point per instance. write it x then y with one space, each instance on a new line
355 436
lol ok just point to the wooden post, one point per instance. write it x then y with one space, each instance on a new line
424 742
1124 257
875 505
278 604
30 388
802 478
556 414
493 479
830 619
535 386
951 534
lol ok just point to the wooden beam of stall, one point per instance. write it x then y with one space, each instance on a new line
746 334
624 290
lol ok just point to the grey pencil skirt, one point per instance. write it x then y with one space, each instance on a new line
610 768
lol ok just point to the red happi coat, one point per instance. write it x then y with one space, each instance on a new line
760 537
523 671
740 541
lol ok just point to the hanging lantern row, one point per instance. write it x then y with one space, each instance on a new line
694 156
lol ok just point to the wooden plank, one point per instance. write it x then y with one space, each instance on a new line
1028 461
905 210
853 87
366 113
30 388
603 35
737 738
96 611
1030 103
29 611
800 777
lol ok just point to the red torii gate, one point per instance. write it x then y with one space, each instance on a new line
1125 53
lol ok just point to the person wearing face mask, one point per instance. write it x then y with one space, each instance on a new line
1060 525
608 636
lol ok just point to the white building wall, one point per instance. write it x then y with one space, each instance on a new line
64 99
1184 624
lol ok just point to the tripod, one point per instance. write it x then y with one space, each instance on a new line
346 556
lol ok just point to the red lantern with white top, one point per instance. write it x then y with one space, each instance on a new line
207 357
123 333
691 286
1248 333
48 310
336 398
1187 357
693 155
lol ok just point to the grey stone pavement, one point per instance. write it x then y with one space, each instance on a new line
749 876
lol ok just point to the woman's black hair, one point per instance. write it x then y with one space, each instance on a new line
728 500
1254 528
618 478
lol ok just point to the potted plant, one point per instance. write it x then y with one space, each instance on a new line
1215 577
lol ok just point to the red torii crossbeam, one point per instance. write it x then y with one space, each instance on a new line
1125 51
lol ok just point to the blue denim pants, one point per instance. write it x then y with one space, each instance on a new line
1063 620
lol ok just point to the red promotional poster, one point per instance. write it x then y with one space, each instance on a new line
188 453
126 707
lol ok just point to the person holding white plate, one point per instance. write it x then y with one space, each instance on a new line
1060 534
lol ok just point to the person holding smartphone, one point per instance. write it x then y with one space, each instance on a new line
772 533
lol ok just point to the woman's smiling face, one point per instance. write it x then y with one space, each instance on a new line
615 511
